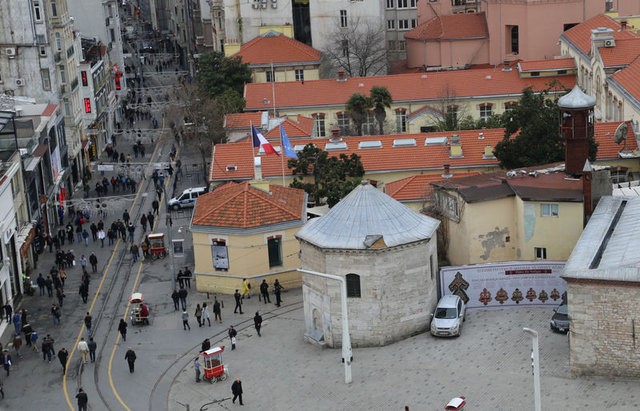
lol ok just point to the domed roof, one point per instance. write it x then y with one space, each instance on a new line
365 217
576 99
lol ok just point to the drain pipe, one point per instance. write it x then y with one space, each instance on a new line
346 339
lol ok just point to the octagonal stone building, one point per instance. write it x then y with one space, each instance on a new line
388 255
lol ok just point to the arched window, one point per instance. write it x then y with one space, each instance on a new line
353 285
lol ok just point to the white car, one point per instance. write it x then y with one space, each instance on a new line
448 317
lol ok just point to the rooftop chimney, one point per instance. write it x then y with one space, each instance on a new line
447 171
335 134
341 75
623 25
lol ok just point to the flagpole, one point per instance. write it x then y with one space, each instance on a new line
253 162
282 155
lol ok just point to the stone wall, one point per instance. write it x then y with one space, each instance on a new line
605 328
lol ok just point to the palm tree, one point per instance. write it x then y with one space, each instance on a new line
357 107
380 100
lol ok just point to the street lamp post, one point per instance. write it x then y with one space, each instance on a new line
535 364
346 338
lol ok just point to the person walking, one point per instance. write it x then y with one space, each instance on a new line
238 299
196 367
94 262
134 252
101 237
185 320
55 314
122 328
40 282
257 322
48 283
82 399
182 293
143 222
83 263
198 315
217 312
84 292
83 347
187 277
246 288
6 361
47 347
8 311
150 219
232 336
277 289
87 323
17 322
130 356
264 290
92 349
63 355
236 390
205 314
176 299
85 237
206 345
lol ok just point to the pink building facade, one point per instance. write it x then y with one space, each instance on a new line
516 29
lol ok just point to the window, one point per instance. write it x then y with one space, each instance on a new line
369 126
318 125
485 111
54 9
274 244
391 24
343 18
448 205
299 75
406 4
540 252
514 46
46 80
392 45
402 44
343 123
413 23
220 255
58 41
401 120
549 210
390 4
403 24
112 35
353 285
67 107
271 77
451 117
37 11
510 105
63 74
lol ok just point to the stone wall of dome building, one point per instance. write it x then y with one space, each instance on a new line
397 292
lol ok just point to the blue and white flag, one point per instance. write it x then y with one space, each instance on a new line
288 150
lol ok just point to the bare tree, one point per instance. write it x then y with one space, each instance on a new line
358 49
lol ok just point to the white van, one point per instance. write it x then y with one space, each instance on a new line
187 198
448 317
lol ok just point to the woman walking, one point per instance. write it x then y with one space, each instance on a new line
198 315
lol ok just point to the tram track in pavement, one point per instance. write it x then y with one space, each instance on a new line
216 339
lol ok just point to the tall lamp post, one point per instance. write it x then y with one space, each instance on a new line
535 364
346 338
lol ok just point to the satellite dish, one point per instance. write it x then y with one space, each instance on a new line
621 133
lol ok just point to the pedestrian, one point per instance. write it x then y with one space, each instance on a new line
150 219
176 299
55 314
134 252
246 288
232 336
47 347
217 312
83 347
187 277
62 275
155 205
206 345
60 295
27 330
206 314
40 282
236 390
198 315
34 341
130 356
180 278
17 322
277 289
185 320
94 262
257 322
84 292
182 293
83 262
85 237
126 217
87 323
122 327
63 355
238 299
264 290
92 349
83 400
17 343
196 366
101 237
8 310
6 361
48 283
143 222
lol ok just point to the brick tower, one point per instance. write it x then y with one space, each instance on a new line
576 127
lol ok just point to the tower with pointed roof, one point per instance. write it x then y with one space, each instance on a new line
388 255
577 123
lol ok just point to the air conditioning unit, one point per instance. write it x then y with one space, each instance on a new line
19 82
609 43
255 5
10 51
274 5
263 5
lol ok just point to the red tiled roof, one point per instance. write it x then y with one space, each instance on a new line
607 148
416 187
580 35
403 87
622 54
453 26
301 128
277 50
242 120
627 78
235 205
551 64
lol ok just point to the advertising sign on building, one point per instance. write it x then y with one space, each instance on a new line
511 283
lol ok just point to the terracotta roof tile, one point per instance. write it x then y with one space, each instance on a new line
303 127
622 54
235 205
264 50
453 26
550 64
417 187
242 120
607 148
403 87
580 35
627 79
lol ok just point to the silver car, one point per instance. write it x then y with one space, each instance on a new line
448 317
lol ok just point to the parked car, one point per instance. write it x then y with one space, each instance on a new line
560 319
187 198
448 317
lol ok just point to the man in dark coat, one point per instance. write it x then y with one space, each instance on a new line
277 289
257 322
94 262
264 290
236 390
217 312
63 355
176 299
182 293
238 298
83 400
130 356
